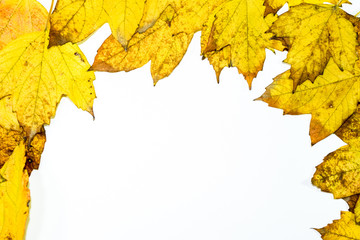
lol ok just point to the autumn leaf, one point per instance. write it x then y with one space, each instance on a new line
11 134
331 99
37 77
343 229
314 34
153 10
235 35
124 18
165 43
274 5
73 21
340 171
14 196
18 17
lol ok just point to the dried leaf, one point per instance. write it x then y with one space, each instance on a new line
165 43
340 171
11 134
314 34
343 229
235 35
330 100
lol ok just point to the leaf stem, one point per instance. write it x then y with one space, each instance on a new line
48 18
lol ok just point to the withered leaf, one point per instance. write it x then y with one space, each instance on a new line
314 34
331 99
236 35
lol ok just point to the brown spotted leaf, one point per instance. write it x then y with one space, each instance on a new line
331 99
236 35
314 34
340 171
165 43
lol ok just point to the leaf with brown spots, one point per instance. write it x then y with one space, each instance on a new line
236 35
165 43
340 171
11 134
331 99
314 34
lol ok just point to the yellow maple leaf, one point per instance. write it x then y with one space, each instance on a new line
18 17
343 229
124 18
165 43
235 35
314 34
37 77
331 99
275 5
14 196
340 171
152 11
73 21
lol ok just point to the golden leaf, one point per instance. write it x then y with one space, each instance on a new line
152 11
275 5
165 43
14 196
314 34
340 171
343 229
18 17
235 35
330 100
124 18
37 77
74 20
11 135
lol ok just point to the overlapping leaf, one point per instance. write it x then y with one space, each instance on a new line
73 21
165 43
37 77
274 5
343 229
14 196
11 134
236 35
18 17
330 100
340 171
313 35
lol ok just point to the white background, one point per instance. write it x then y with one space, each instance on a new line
186 160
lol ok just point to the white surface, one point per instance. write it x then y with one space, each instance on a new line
187 159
